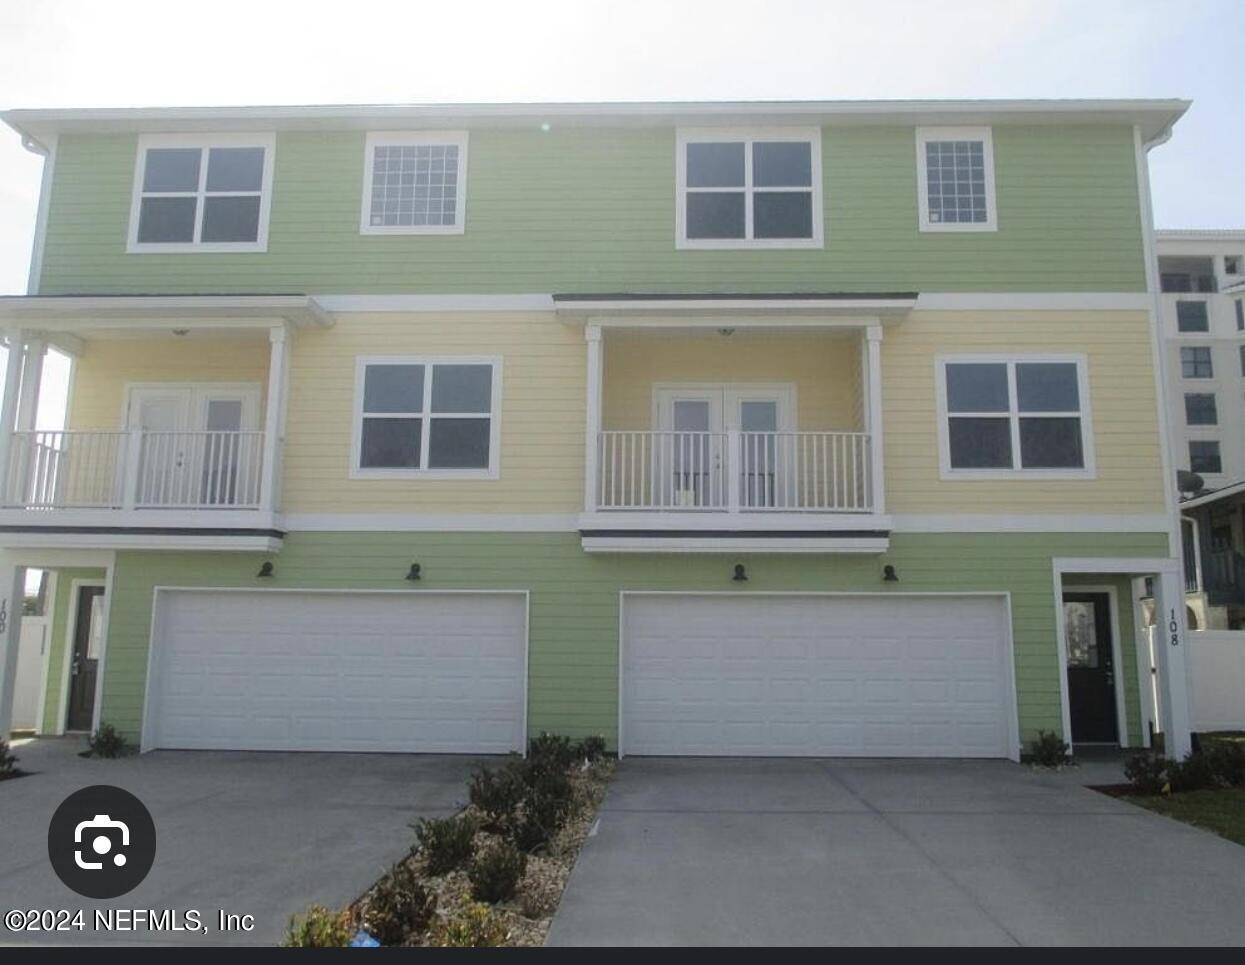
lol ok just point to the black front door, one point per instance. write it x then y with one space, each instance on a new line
85 660
1091 667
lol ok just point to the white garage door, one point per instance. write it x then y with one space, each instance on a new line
869 676
274 670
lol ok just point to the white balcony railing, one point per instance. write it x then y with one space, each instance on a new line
134 469
826 472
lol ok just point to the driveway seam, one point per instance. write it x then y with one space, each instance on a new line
929 858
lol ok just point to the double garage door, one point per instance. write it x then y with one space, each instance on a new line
755 674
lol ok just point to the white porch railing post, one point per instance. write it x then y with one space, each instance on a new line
8 406
274 418
732 465
1171 649
873 415
592 432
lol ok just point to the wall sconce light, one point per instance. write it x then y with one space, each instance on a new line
741 576
415 573
266 570
889 575
180 332
727 332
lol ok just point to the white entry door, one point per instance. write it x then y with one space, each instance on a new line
816 676
416 671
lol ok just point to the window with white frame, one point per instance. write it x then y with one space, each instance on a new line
739 190
1014 415
1200 409
955 179
414 182
1204 456
202 193
1195 362
436 416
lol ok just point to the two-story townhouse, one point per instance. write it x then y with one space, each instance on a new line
1202 324
772 429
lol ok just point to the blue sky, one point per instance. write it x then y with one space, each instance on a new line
84 54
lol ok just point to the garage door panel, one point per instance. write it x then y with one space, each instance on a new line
340 671
816 675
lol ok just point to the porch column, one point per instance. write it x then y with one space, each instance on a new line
32 380
871 362
12 594
274 418
8 411
1171 655
592 432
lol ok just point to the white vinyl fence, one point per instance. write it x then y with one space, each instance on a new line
1217 679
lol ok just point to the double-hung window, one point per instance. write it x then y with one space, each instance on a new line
414 183
749 190
1003 416
1200 409
201 193
436 417
955 179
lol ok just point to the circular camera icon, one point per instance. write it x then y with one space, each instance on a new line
102 841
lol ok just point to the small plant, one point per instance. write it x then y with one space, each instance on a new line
551 751
445 843
497 794
1192 774
592 749
1227 761
539 820
8 761
107 742
1047 750
1146 772
495 872
398 905
476 926
318 927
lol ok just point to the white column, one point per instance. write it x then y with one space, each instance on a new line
872 363
12 593
8 404
32 380
274 418
592 431
1171 653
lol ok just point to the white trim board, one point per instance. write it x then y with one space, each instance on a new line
1013 722
433 522
49 614
726 544
1029 523
35 274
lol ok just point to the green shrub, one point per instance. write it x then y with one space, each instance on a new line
1227 761
495 872
539 820
592 749
549 750
1192 774
476 926
497 794
398 905
318 927
8 761
1146 771
445 843
1047 750
107 742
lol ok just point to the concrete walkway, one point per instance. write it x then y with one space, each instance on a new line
834 852
250 833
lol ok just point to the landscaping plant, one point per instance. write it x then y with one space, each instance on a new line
319 928
1047 750
445 843
551 751
1227 761
592 749
107 742
495 872
8 761
476 926
1146 772
398 905
498 794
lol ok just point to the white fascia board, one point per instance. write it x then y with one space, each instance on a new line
436 303
73 311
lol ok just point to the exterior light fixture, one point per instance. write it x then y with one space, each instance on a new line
741 575
266 571
414 574
179 332
889 575
726 331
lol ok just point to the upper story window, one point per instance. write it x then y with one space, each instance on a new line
1200 409
1195 362
1192 317
1204 456
1231 264
202 193
1005 416
427 417
955 179
749 190
1239 308
414 183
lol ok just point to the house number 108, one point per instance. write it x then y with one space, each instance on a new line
1174 628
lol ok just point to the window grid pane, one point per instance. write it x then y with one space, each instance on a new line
414 185
774 200
1204 456
1200 409
955 173
1195 362
1192 317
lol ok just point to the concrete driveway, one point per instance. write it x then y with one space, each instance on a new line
748 851
251 833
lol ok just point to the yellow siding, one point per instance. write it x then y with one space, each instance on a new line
824 369
108 365
542 417
1122 398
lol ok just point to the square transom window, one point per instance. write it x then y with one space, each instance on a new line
201 194
740 191
1014 416
419 416
955 179
414 183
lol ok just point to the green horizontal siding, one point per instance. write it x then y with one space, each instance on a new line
573 684
593 210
